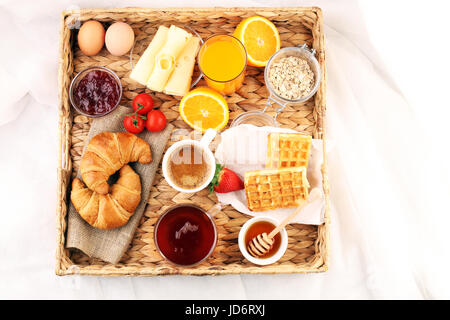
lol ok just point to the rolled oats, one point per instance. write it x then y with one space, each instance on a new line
291 78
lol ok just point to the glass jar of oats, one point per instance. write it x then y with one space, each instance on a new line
292 75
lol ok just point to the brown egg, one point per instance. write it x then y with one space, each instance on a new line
119 38
91 37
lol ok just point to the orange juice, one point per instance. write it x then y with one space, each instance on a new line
223 59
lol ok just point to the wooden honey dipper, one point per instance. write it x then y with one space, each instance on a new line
262 243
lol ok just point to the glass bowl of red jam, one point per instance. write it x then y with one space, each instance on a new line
95 91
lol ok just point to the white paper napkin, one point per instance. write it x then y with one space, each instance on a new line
244 148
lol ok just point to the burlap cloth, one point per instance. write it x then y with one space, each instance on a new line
110 245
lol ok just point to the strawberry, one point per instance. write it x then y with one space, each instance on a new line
225 181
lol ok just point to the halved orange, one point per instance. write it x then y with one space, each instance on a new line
260 38
204 109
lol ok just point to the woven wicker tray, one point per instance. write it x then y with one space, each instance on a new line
308 245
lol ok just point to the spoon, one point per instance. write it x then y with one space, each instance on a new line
263 242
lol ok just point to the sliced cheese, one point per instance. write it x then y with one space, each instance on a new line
179 82
166 58
141 72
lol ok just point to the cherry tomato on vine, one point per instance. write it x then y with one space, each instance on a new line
143 103
134 123
156 121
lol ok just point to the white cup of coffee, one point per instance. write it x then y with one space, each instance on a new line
189 165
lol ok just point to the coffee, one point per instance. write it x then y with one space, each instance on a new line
185 235
188 167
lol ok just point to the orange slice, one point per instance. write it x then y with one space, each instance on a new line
260 38
204 109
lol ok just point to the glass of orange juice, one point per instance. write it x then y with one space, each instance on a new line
222 60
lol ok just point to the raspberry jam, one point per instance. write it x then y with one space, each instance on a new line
97 93
185 235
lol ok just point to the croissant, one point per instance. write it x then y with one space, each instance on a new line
112 210
106 153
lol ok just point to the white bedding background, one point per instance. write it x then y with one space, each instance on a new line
387 119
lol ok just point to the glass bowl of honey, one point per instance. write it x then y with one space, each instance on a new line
256 118
95 91
258 225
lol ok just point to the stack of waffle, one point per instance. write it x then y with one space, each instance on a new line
283 184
